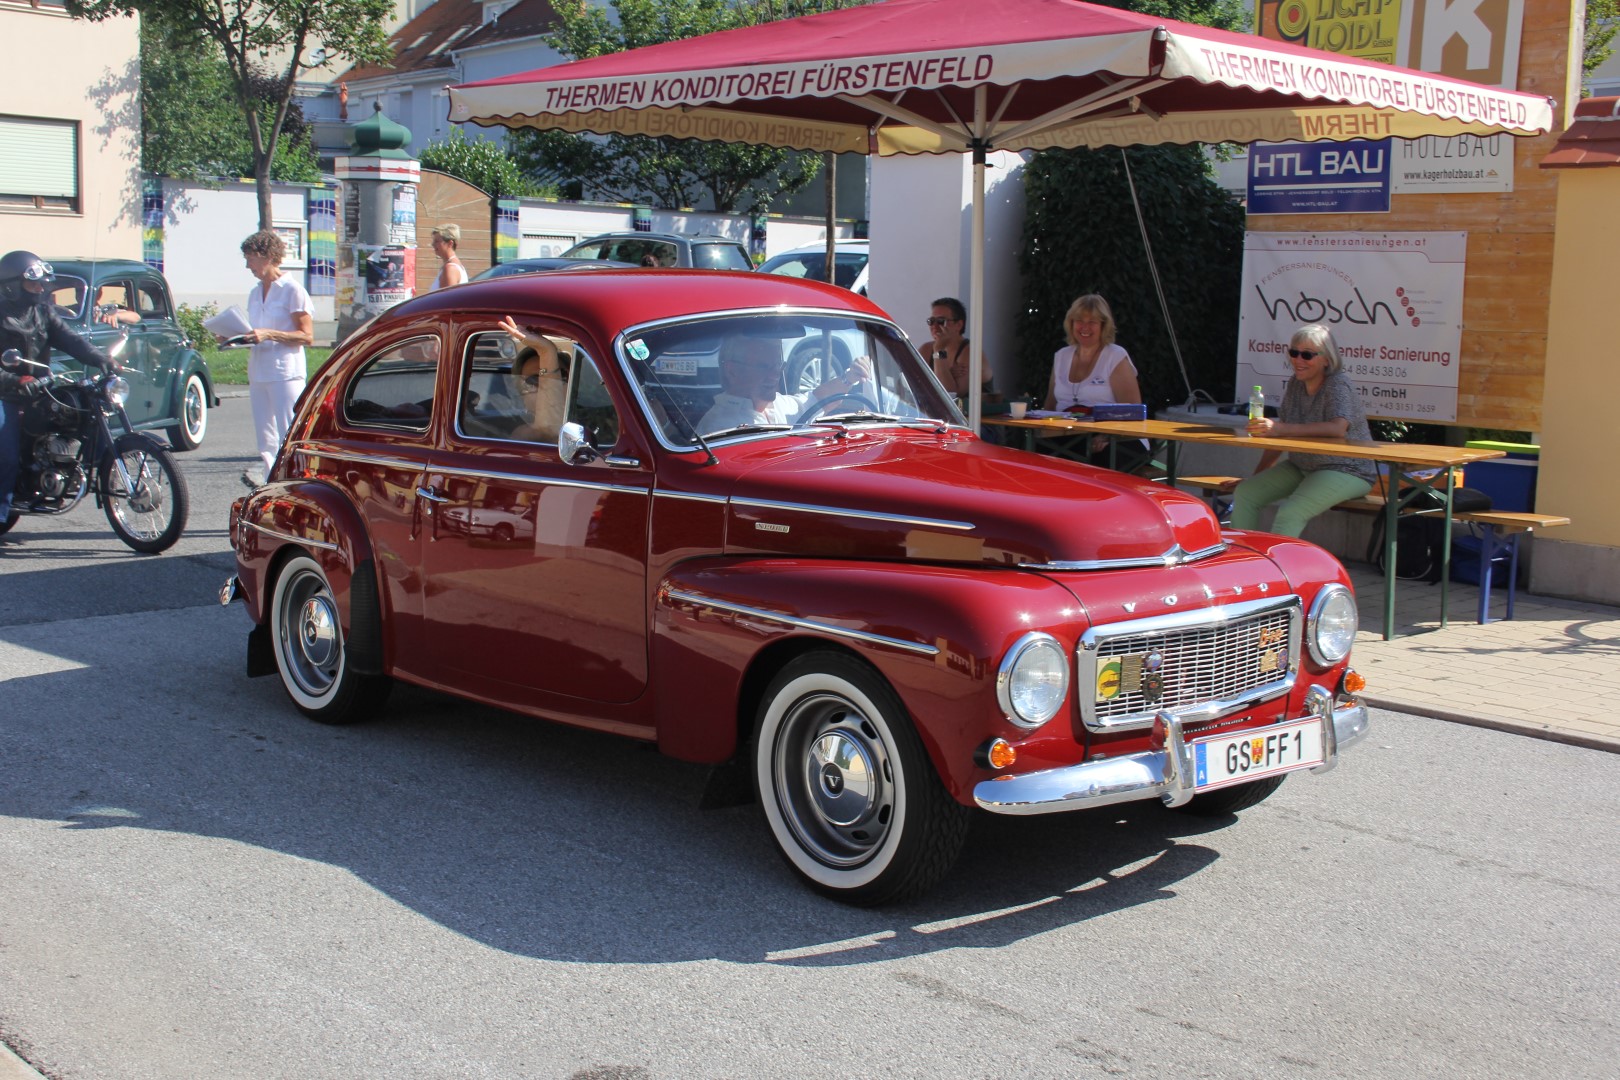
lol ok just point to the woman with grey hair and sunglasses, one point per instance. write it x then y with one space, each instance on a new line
1320 401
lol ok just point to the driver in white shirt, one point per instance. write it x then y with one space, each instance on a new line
751 381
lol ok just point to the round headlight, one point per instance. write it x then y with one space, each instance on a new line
1033 680
117 390
1330 628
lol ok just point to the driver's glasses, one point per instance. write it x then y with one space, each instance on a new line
38 270
757 367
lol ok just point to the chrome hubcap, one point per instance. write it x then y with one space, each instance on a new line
834 780
317 631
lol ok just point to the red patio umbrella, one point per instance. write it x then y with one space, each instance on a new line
938 76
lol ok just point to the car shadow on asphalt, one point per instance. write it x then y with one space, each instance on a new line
533 838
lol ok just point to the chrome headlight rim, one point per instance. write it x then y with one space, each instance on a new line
1008 671
1324 656
117 389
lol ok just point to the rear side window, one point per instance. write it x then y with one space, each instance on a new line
720 257
151 299
395 389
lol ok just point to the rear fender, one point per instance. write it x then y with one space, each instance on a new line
722 629
308 517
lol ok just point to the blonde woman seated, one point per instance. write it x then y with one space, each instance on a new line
540 381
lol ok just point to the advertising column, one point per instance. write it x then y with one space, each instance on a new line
377 255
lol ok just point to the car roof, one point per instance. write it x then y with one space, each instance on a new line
610 300
83 267
706 238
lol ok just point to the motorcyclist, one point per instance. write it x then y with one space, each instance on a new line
29 323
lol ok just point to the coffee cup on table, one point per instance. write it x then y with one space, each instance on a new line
1017 408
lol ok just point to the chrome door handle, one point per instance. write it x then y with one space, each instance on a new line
430 495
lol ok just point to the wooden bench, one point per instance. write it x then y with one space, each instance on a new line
1499 532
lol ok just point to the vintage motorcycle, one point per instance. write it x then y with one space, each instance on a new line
70 450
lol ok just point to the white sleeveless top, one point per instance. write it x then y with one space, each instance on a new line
1095 389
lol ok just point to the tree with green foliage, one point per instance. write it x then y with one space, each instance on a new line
665 171
191 126
481 163
1602 21
1081 235
248 33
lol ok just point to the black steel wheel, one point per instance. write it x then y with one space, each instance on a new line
847 788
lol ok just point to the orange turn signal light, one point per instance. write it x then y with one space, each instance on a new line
1000 754
1353 682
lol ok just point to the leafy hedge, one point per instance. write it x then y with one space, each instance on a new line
1081 236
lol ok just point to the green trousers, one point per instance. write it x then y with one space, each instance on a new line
1303 495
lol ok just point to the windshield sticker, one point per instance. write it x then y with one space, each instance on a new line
637 349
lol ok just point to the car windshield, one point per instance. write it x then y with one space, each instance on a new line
720 257
740 375
847 266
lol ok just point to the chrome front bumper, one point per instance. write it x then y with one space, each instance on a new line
1165 774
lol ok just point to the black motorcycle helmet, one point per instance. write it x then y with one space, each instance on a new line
17 267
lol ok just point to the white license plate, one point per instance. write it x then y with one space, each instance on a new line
1253 755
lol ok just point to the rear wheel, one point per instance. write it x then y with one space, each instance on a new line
311 656
188 433
1230 800
146 500
847 788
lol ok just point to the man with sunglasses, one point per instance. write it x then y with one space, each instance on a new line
29 323
947 322
1320 401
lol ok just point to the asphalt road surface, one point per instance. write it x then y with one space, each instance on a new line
196 882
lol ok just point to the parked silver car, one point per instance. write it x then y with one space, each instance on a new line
699 251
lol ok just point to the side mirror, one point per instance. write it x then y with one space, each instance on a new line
573 446
11 359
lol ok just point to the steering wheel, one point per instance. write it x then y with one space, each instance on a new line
816 408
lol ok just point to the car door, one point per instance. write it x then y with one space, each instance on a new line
535 569
160 347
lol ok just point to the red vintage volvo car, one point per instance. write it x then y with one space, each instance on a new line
735 515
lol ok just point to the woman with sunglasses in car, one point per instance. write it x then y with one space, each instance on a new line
1320 401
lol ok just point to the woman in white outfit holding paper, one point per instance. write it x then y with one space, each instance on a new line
282 318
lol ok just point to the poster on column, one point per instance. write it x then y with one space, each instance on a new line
1392 300
388 272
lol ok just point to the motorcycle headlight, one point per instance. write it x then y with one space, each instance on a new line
1033 680
1330 628
117 390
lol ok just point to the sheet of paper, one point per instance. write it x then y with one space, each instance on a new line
230 323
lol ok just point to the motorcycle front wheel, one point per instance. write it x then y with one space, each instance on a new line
148 512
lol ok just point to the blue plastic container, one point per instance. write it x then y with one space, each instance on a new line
1510 483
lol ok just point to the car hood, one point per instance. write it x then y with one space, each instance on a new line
880 494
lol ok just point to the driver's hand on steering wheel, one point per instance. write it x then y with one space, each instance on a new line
859 371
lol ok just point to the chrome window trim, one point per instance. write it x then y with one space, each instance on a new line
843 511
802 624
1176 556
1086 660
359 374
324 545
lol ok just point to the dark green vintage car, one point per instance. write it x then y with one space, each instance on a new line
170 387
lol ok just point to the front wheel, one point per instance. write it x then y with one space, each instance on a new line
847 788
311 657
188 433
146 500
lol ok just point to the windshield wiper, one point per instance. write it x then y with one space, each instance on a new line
748 429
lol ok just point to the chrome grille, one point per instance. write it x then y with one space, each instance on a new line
1207 662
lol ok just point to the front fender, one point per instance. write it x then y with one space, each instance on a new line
722 627
304 515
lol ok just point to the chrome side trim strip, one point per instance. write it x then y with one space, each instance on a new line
838 511
690 496
324 545
1176 556
802 624
359 459
524 478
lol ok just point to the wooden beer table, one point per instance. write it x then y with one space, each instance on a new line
1404 461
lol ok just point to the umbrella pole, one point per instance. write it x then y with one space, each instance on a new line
976 267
